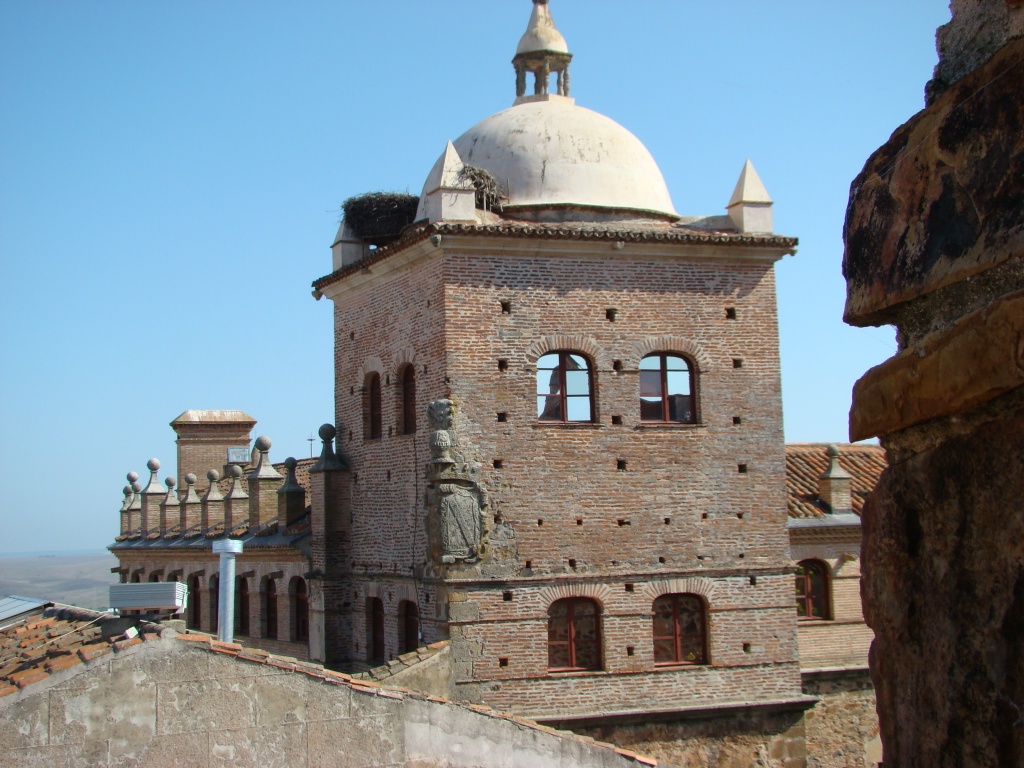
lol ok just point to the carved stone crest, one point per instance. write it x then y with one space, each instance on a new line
456 501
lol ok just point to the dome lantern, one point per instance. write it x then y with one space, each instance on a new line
541 50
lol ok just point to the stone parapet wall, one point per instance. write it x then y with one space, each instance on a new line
169 702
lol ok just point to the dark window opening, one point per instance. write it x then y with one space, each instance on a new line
242 606
409 626
375 630
730 313
300 611
408 400
270 610
372 407
195 614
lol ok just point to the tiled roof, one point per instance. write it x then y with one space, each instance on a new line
403 662
806 461
59 638
633 231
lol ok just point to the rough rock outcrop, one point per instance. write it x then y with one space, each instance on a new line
935 246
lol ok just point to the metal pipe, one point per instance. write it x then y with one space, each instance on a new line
227 549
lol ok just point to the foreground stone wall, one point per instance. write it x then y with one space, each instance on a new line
935 246
843 727
771 740
169 703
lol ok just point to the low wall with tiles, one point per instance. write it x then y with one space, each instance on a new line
168 702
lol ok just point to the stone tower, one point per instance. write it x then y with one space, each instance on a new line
558 407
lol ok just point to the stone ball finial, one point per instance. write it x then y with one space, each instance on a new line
327 432
235 470
127 490
133 476
136 487
191 478
262 443
170 482
153 464
832 451
213 475
290 463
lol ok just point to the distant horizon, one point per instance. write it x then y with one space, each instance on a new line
56 553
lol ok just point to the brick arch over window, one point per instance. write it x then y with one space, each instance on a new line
398 590
669 345
598 592
404 356
575 342
694 586
370 365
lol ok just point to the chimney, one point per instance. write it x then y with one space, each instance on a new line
211 439
834 485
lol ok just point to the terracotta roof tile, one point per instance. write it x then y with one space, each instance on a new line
59 638
805 461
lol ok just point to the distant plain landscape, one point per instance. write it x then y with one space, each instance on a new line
79 578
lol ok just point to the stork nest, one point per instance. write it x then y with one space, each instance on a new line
489 194
379 217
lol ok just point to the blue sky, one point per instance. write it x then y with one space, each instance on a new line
171 176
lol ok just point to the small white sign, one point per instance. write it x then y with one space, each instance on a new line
238 455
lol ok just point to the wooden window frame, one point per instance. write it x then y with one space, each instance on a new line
571 643
807 599
678 634
663 370
563 395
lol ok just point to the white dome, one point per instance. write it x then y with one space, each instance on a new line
550 152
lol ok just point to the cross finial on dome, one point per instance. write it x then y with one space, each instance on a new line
542 50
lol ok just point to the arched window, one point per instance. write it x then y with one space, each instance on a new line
137 577
270 609
371 407
409 626
300 610
214 593
666 389
375 630
564 388
408 400
574 635
195 608
241 606
680 635
812 599
154 577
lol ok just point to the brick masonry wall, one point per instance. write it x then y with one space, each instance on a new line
560 493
